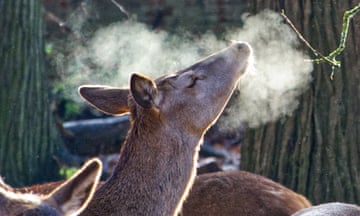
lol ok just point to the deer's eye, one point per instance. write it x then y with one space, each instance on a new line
193 82
194 79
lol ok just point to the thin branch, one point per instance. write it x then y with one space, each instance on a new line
121 8
316 53
345 29
53 18
331 58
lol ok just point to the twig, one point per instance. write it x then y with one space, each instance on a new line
53 18
331 58
122 9
316 53
345 28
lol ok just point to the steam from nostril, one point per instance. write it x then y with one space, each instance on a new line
280 75
270 90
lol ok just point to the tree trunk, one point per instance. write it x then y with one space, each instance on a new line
27 133
316 151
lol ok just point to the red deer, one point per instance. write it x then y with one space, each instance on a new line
234 193
330 209
142 178
69 198
169 116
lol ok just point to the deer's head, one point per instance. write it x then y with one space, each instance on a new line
189 100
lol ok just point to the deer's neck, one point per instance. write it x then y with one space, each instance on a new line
153 176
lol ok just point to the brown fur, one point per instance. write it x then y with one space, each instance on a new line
68 198
169 118
242 193
45 188
230 193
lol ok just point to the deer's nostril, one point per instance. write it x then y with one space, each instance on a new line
242 47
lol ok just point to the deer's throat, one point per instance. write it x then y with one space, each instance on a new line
161 172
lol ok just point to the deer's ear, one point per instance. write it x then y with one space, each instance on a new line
143 90
73 196
107 99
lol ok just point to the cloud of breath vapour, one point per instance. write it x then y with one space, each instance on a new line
281 73
266 93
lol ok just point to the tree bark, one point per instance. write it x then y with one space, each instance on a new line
27 140
315 151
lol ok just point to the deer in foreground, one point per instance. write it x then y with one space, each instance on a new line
236 192
169 116
68 198
330 209
152 182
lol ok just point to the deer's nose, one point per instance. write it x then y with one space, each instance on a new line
241 46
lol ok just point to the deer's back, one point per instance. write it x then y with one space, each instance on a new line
241 193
